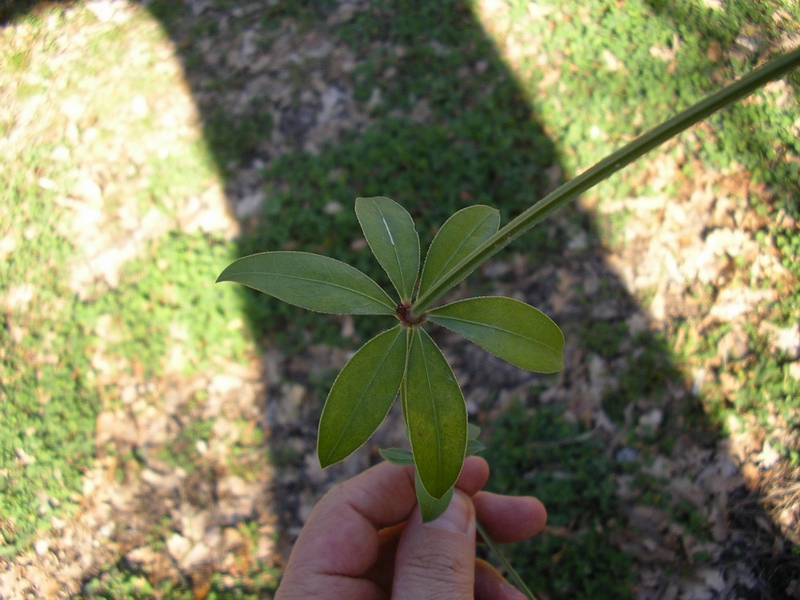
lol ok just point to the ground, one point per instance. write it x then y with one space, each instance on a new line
204 469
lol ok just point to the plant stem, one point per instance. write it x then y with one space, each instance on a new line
509 569
616 161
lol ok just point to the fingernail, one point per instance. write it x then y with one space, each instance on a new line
457 516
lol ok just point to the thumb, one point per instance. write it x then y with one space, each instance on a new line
437 559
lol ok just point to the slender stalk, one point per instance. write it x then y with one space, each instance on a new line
616 161
509 569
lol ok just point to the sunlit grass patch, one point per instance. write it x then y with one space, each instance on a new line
80 169
46 407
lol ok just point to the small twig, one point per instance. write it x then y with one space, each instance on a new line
792 489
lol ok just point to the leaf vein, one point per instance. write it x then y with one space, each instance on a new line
446 267
361 398
402 289
435 414
438 318
321 282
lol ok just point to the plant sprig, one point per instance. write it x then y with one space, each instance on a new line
404 360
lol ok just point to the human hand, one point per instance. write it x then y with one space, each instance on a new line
365 540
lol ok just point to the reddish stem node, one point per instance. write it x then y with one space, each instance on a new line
406 317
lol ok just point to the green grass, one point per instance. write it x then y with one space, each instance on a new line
116 581
531 454
47 407
236 140
47 374
169 292
51 383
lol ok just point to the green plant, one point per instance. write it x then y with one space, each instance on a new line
405 359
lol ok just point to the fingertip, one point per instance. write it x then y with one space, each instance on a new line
539 511
530 511
510 518
436 559
474 475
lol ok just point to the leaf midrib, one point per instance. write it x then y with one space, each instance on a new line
363 395
402 290
445 268
439 452
437 318
321 282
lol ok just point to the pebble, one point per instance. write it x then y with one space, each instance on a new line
178 546
232 540
626 455
197 556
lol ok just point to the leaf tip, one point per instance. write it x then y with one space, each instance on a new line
557 364
324 461
228 273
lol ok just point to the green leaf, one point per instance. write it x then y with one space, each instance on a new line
311 281
435 414
508 328
391 236
475 446
460 235
430 507
397 456
361 396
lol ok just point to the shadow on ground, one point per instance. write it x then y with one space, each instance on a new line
307 105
